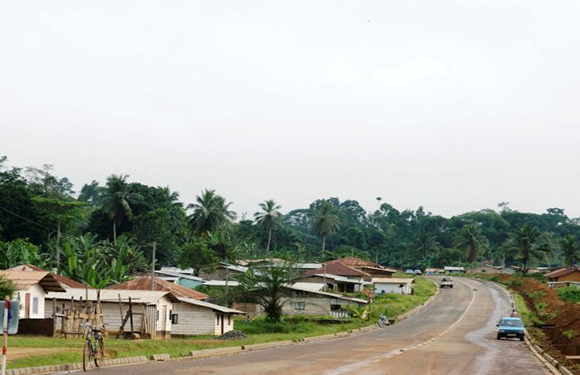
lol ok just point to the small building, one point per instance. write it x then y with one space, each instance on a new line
454 270
152 309
335 283
484 269
194 317
31 290
183 279
434 271
309 302
393 285
340 269
144 283
564 275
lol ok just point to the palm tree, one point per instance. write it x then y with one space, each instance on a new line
115 201
210 212
427 246
570 248
527 243
269 218
472 241
324 221
171 196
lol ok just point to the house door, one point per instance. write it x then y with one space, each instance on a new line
164 321
27 306
223 329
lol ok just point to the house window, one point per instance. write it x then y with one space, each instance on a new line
299 306
218 320
35 305
174 318
156 315
229 320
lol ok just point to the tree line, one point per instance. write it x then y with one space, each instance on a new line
104 232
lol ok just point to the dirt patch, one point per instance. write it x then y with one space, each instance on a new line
556 323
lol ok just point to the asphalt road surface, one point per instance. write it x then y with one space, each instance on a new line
453 335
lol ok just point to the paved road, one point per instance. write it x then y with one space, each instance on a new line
453 335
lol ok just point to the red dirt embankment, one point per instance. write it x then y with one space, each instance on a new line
556 322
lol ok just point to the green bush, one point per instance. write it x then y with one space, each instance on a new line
569 294
569 334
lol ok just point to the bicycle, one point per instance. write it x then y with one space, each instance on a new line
94 349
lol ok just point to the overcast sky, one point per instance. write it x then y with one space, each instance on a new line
453 105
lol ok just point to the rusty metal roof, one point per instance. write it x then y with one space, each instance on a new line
63 280
24 280
144 283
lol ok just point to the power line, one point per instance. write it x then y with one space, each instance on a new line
23 218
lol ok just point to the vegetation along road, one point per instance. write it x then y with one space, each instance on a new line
453 335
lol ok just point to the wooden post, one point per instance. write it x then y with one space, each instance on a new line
121 310
131 314
53 317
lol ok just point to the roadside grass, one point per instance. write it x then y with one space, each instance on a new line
258 331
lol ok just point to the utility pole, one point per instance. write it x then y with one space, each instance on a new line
153 267
324 278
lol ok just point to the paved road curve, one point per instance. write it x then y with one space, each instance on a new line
453 335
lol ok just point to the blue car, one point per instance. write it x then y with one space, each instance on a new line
511 327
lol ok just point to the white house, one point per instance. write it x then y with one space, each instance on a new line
194 317
31 289
454 270
393 285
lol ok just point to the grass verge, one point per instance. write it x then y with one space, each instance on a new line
258 331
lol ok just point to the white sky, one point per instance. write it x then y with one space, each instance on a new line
454 105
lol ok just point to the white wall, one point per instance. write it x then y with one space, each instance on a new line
36 292
197 320
381 288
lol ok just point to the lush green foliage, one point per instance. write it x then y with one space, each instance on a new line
570 294
7 288
42 222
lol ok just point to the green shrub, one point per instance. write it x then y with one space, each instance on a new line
569 334
569 294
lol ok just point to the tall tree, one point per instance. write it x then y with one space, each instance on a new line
115 201
269 218
324 221
570 250
210 212
472 241
527 243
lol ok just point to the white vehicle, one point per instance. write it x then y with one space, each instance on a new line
446 282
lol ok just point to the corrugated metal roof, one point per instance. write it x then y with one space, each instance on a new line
63 280
338 269
144 283
353 262
212 306
146 297
310 286
561 272
389 280
179 275
24 280
333 295
221 283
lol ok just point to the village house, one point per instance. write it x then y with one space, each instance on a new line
454 270
305 301
190 315
484 268
144 283
393 285
342 270
31 290
183 279
368 267
337 284
564 275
